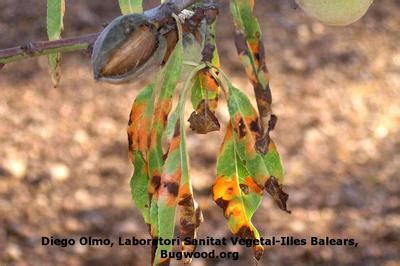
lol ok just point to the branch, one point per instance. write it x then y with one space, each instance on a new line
160 14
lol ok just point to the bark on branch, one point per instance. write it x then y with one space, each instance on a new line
160 14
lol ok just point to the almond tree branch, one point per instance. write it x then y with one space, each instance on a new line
160 14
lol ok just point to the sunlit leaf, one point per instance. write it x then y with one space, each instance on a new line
264 168
130 6
205 91
236 193
248 41
138 132
169 77
55 26
175 186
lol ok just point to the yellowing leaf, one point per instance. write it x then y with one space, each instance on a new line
236 193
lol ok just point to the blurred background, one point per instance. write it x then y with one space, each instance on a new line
64 169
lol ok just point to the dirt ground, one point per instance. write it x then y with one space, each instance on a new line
64 169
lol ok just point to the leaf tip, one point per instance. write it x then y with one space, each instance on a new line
275 190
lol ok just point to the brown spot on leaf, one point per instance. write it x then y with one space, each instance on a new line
130 141
199 216
272 122
254 126
258 252
172 187
244 188
177 131
187 200
222 203
130 118
264 99
203 120
187 225
240 43
245 232
156 182
242 128
165 262
208 52
261 57
261 144
165 155
275 190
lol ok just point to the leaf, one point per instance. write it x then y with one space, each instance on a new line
203 120
168 194
130 6
265 169
175 185
138 132
248 41
190 214
236 193
170 129
206 90
168 80
55 26
205 83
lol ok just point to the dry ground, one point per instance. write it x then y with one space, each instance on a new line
64 169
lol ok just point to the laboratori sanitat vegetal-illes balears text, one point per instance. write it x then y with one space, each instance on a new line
208 241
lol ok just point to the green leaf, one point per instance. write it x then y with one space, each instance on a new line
130 6
265 169
138 133
242 12
205 85
248 41
236 193
244 120
167 83
55 26
175 187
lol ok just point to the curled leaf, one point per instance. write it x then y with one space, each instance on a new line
248 41
203 120
261 166
275 190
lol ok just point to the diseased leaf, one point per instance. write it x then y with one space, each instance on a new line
170 129
55 26
130 6
206 90
262 167
169 78
168 194
203 120
175 187
190 215
236 193
138 132
248 41
205 85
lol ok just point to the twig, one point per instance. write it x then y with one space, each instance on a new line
160 14
39 48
